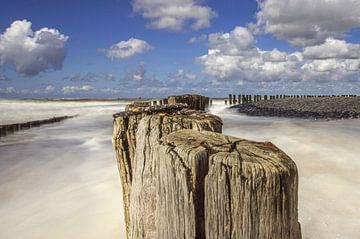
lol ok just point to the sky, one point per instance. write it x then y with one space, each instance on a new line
154 48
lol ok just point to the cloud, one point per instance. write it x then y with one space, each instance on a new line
333 48
32 52
239 41
181 74
138 82
174 15
274 56
126 49
198 39
4 77
76 89
138 74
307 22
8 90
234 56
91 77
49 89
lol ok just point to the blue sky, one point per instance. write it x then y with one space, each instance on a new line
269 46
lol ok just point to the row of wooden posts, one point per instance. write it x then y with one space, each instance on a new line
243 99
165 102
11 128
159 102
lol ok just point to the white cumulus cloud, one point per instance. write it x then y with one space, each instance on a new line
32 52
174 15
307 22
238 42
235 56
126 49
76 89
333 48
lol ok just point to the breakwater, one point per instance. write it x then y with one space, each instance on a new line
244 99
342 107
11 128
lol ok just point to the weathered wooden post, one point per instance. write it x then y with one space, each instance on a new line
173 116
207 101
230 99
193 184
196 102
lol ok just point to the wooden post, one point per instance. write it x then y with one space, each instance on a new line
193 184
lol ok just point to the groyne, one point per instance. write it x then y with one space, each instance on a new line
182 178
343 107
11 128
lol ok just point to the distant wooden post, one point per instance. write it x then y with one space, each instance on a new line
230 99
234 99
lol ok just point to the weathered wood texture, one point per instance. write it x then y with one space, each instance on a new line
195 102
137 105
165 119
193 184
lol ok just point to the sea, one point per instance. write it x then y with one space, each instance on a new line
60 180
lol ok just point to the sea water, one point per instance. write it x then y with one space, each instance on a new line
61 180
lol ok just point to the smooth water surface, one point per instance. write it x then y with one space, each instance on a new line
61 180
